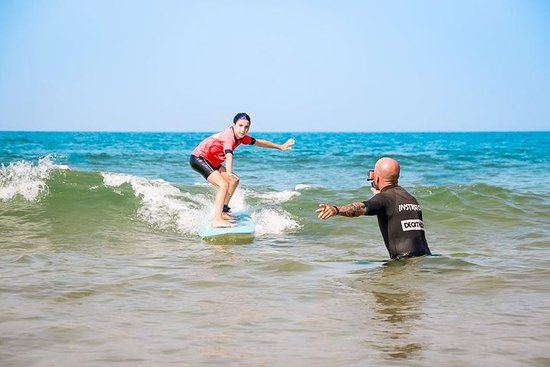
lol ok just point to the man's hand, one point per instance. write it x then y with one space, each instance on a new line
325 211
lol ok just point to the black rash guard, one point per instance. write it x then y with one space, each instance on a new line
400 221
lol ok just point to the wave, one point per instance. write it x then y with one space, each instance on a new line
26 180
483 203
111 199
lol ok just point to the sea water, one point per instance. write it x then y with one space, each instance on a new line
101 264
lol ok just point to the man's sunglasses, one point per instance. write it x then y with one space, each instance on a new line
370 175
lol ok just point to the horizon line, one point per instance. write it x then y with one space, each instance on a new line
277 132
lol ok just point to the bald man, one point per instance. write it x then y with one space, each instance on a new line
398 212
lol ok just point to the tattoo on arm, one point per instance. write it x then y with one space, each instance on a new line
352 210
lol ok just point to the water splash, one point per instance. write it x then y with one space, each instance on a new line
274 221
24 179
163 205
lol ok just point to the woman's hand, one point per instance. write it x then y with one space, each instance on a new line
288 144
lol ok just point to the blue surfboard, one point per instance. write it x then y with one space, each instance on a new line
245 227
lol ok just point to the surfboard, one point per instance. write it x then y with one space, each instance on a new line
245 227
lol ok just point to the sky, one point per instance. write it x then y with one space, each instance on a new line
293 65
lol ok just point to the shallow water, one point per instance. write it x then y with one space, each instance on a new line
101 264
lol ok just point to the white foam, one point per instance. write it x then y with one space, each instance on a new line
166 207
272 221
238 200
163 205
304 187
277 197
27 180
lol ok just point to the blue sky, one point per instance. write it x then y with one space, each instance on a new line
297 65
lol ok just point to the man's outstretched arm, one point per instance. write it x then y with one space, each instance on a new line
326 211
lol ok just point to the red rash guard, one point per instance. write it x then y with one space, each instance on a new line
215 147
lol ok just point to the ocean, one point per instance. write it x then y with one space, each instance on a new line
101 264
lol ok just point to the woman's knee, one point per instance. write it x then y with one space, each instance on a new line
218 181
223 185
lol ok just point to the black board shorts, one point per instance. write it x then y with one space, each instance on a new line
202 166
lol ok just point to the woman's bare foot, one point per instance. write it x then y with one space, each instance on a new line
222 223
228 216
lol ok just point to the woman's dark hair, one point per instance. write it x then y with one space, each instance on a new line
241 116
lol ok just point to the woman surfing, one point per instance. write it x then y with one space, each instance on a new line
208 156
